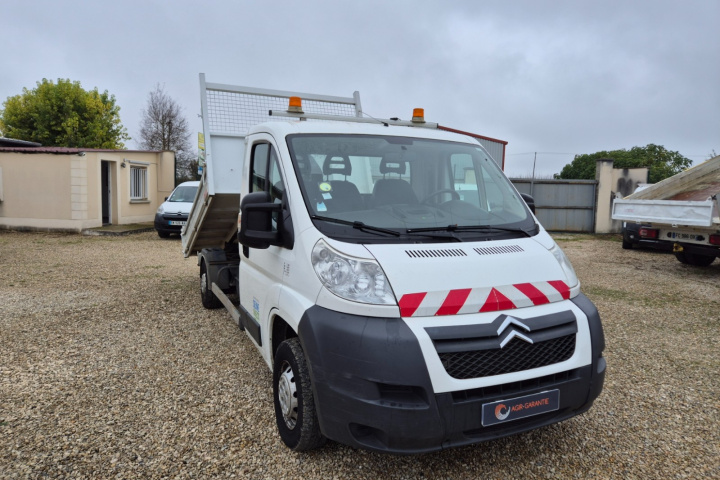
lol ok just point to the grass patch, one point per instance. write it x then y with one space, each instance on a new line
607 293
581 237
565 238
608 237
124 228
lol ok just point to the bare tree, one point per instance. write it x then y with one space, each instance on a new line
164 127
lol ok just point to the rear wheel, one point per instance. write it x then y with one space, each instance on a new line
627 243
209 300
295 412
694 259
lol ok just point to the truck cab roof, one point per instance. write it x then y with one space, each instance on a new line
284 128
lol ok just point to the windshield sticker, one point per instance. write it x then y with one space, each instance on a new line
321 207
325 187
326 196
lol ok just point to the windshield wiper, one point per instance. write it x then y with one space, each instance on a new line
427 232
355 224
469 228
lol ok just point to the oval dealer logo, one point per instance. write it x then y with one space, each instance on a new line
500 414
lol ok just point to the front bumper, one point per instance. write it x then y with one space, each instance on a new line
697 249
373 391
632 234
162 223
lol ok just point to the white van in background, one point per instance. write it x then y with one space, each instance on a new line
173 213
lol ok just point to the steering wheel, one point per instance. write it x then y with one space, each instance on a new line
453 193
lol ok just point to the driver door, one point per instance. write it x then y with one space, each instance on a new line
261 270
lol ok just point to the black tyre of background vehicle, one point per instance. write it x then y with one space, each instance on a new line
694 259
627 243
209 300
295 412
163 234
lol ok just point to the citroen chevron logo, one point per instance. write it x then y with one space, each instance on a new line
512 333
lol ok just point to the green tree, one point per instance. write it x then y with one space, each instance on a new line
662 163
63 114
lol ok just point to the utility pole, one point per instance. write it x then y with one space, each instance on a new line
532 180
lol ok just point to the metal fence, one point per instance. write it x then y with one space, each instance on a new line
562 205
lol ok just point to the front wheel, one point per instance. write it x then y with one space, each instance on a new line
295 412
694 259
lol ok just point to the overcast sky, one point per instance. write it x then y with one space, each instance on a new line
554 77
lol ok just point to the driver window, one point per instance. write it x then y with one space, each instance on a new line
259 167
266 176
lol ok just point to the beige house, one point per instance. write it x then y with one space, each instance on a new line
71 189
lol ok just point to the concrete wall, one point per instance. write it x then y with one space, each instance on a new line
613 182
46 191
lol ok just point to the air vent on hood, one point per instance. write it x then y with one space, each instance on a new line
436 253
499 250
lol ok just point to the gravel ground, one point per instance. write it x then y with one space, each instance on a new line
110 367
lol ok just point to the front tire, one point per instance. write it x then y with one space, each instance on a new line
295 412
694 259
209 300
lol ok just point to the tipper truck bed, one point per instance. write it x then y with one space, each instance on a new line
228 111
682 211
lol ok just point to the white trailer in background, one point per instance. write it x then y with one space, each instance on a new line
681 210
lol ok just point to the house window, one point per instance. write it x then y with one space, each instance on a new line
138 183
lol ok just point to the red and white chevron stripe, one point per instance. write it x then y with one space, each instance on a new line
474 300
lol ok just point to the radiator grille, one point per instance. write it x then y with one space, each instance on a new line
518 355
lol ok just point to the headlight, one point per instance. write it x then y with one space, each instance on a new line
566 265
359 280
160 210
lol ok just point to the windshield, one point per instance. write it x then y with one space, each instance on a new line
183 194
412 186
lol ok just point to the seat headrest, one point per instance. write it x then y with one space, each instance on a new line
303 163
335 164
392 166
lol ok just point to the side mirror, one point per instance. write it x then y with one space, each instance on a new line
530 201
256 224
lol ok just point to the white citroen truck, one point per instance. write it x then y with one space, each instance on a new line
396 284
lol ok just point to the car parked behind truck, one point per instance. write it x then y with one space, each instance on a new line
400 290
173 213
